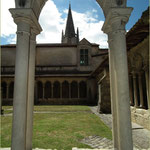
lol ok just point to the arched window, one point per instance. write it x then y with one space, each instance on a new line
56 89
47 90
65 89
74 89
82 89
4 89
11 90
40 89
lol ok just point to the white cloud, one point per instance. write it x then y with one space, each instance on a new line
52 24
8 27
90 28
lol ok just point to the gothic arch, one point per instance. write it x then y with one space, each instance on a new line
27 24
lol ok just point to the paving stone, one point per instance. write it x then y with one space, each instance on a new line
141 136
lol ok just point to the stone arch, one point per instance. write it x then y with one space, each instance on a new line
40 89
4 89
11 90
137 61
56 89
83 89
65 89
74 89
27 19
47 90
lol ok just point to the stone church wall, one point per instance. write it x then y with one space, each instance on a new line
55 56
8 56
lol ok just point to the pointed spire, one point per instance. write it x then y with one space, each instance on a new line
62 36
70 37
77 35
70 32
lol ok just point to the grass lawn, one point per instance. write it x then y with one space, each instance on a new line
59 130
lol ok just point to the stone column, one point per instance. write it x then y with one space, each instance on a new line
52 90
99 97
61 90
131 90
141 90
25 20
7 91
30 100
113 94
147 86
135 90
43 90
78 91
36 96
21 86
69 90
1 96
114 26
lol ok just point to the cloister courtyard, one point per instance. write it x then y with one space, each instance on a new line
58 127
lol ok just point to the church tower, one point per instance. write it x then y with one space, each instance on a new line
70 36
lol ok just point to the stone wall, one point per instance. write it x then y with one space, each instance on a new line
141 117
104 104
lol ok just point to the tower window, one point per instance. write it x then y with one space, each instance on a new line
84 57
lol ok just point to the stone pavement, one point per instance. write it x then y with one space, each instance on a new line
141 136
98 142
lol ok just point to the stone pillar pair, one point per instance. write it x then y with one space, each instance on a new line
27 29
114 26
147 85
131 90
138 77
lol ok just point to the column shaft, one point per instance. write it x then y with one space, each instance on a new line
69 91
99 98
131 90
52 90
21 87
30 102
141 90
43 90
78 91
135 90
120 83
113 94
147 88
7 92
60 90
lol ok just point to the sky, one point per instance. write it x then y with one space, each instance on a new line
87 16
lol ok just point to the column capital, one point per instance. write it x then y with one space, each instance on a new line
116 19
27 16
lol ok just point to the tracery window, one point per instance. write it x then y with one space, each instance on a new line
84 57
